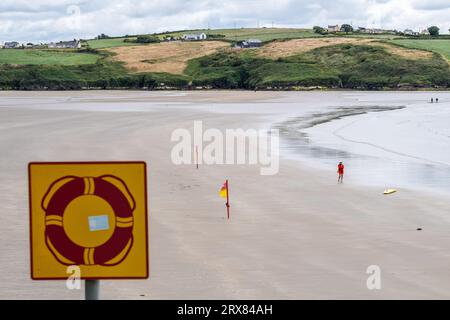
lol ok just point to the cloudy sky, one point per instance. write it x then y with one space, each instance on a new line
49 20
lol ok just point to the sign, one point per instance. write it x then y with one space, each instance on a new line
89 214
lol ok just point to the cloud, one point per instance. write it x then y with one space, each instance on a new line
50 20
431 4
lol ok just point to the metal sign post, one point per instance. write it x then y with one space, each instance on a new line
92 290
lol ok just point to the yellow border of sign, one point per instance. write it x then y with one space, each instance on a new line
135 270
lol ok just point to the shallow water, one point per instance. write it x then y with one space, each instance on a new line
389 147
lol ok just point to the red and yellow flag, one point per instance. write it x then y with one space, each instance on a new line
224 191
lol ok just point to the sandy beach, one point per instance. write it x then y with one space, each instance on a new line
293 235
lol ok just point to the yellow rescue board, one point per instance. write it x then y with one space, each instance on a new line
390 191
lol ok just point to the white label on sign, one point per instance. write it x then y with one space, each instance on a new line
98 223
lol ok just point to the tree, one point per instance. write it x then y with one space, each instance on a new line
346 28
319 30
434 31
102 36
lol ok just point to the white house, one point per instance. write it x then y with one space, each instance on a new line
250 43
335 28
375 30
11 45
74 44
194 37
410 32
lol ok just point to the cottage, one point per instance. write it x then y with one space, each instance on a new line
250 43
74 44
375 31
254 43
425 32
335 28
11 45
409 32
194 37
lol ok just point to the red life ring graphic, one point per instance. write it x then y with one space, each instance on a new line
111 189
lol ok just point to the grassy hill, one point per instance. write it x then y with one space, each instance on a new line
338 66
291 59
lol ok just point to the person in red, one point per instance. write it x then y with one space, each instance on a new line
340 172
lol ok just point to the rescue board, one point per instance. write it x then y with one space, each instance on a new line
390 191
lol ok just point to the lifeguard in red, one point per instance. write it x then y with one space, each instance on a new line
340 172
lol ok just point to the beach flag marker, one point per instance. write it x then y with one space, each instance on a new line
225 193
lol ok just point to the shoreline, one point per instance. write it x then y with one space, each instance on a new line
186 89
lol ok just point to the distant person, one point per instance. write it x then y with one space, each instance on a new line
432 100
437 100
340 172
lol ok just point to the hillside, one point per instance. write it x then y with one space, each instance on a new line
337 66
291 59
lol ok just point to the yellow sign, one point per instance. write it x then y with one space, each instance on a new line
88 214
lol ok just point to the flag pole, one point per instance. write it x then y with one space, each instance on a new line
196 155
228 200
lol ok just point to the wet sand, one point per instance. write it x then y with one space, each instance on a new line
295 235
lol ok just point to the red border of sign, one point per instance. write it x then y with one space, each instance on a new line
145 211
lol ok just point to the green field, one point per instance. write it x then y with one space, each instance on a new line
45 57
264 34
439 46
109 43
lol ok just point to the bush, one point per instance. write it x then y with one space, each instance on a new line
319 30
216 36
147 39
